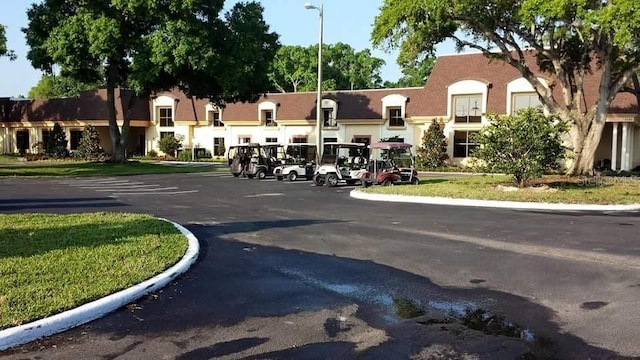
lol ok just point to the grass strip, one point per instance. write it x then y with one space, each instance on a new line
551 189
68 168
51 263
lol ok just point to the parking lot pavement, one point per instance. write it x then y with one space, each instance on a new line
122 187
557 273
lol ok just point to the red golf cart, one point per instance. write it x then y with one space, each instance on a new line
390 163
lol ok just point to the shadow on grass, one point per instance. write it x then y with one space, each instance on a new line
433 181
43 240
235 281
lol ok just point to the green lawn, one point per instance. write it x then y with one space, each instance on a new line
574 190
50 263
12 167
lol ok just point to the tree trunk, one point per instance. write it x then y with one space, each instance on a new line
585 146
117 148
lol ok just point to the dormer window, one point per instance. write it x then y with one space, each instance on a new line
328 120
215 116
165 115
395 117
468 108
267 115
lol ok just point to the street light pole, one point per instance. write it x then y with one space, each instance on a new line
319 90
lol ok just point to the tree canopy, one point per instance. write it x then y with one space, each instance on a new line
52 86
4 51
152 46
295 68
570 40
414 73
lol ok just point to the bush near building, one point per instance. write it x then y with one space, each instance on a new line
524 145
169 144
89 147
433 151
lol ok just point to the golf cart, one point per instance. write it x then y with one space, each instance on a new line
238 158
265 158
390 163
343 162
302 164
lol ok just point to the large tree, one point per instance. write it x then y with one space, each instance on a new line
570 40
55 86
343 68
414 73
151 46
4 51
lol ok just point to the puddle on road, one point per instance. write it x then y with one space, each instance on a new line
371 295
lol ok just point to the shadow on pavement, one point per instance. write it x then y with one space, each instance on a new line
234 282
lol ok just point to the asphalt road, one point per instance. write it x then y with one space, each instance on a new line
290 270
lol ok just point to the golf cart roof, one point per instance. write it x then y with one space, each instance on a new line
299 144
345 144
390 145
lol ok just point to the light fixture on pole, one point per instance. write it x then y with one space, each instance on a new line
310 6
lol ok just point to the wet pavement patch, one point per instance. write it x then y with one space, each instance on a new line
593 305
492 324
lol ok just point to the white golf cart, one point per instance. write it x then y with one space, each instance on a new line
341 162
301 164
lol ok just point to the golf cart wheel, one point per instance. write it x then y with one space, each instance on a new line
236 175
331 180
387 182
249 176
318 180
278 177
260 174
415 181
293 176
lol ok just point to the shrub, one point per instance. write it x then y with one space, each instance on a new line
152 153
184 155
89 147
433 152
524 145
170 144
57 145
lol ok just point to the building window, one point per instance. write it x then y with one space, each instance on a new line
271 140
329 150
462 144
165 114
363 139
74 141
215 115
268 118
328 120
22 141
218 146
468 109
242 139
395 117
299 139
525 101
164 134
46 137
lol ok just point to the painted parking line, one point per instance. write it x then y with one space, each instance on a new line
263 195
122 194
86 180
132 184
119 190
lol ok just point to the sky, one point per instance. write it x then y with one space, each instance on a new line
349 22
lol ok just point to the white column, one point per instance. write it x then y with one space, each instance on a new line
624 154
614 147
632 135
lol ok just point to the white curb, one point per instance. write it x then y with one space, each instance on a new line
357 194
66 320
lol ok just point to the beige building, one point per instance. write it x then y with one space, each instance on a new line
460 91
